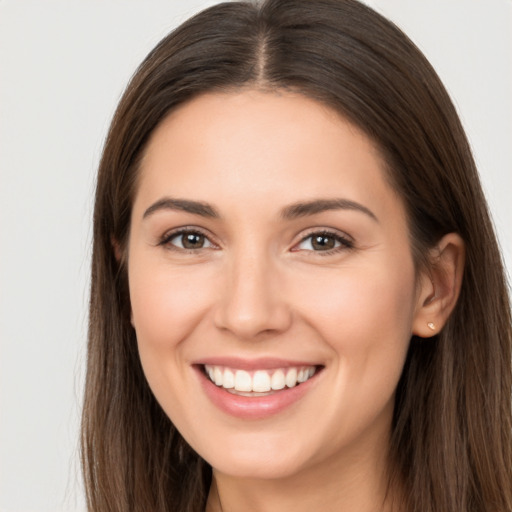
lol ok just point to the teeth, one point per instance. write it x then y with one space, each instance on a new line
291 377
243 381
229 379
260 381
278 380
218 376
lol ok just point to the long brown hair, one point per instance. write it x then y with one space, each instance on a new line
451 446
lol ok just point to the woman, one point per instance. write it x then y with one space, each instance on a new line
297 296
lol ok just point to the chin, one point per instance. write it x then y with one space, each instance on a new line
261 459
274 468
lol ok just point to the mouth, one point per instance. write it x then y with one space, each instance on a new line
256 390
259 382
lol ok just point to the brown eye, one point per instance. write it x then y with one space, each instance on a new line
323 242
188 240
192 240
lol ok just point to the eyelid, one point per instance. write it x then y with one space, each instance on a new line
165 239
345 240
328 231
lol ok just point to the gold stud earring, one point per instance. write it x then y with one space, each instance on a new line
431 326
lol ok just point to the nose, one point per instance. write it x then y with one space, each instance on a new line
252 302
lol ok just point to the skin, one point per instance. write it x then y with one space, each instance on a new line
258 288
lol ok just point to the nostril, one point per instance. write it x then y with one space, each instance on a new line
253 323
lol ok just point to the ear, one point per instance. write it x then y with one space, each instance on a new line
117 249
439 286
118 254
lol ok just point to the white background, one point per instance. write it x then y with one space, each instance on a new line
63 67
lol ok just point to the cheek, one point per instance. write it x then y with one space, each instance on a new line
167 302
365 315
358 300
365 318
167 305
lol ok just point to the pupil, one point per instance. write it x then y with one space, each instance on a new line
193 241
323 242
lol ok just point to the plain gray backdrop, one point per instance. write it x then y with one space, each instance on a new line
63 67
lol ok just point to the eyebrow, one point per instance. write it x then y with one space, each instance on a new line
184 205
304 209
294 211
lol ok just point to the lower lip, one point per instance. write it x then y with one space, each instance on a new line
255 407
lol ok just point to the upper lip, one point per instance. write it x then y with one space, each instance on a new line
262 363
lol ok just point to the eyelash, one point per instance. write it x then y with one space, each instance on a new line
165 241
344 242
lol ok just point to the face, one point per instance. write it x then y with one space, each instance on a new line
271 282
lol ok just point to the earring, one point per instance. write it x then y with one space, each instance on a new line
431 326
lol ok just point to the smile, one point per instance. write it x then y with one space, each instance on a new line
256 389
259 381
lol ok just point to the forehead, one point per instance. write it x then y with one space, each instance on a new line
247 145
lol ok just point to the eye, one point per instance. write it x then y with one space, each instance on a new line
187 240
324 241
